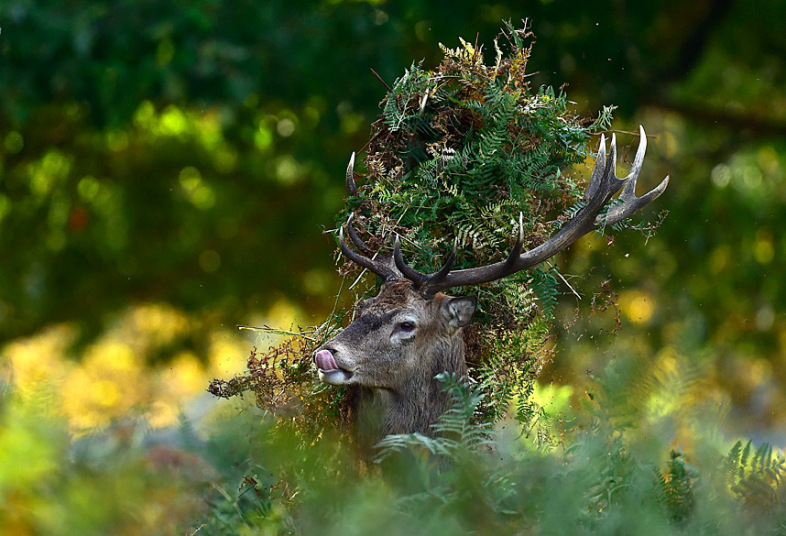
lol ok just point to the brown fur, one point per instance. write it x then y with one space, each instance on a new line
393 367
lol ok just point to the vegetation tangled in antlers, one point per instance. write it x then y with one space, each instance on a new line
457 156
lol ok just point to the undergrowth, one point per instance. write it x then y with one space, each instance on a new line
612 467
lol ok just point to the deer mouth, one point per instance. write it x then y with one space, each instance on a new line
329 371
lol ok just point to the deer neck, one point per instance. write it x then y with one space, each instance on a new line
417 403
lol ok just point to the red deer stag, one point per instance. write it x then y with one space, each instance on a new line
411 331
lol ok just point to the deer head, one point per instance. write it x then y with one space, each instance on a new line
411 331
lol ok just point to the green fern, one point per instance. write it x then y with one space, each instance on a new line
677 487
455 431
756 476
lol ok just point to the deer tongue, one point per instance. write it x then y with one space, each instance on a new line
325 360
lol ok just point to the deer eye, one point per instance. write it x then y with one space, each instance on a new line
407 326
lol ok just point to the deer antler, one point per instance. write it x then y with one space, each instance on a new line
351 187
390 269
382 267
602 187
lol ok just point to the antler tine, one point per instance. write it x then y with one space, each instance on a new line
638 161
422 281
351 187
629 202
609 183
377 267
353 235
408 271
351 255
449 262
598 171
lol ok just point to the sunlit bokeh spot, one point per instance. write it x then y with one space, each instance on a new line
285 127
637 305
283 318
767 158
206 127
195 189
173 122
227 354
47 172
153 325
263 137
144 114
36 362
13 142
765 317
311 113
105 393
422 30
183 377
107 385
287 170
59 210
283 314
554 399
88 187
721 175
751 177
755 372
161 414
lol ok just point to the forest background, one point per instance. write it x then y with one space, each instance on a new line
167 170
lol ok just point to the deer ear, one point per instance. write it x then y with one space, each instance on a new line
457 312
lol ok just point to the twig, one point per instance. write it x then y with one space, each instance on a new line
372 138
573 290
338 296
380 79
653 136
227 498
274 331
362 273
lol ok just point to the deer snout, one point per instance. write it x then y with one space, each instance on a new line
329 370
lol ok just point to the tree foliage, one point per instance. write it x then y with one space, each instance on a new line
158 156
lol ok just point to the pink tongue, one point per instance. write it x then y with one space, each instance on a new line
325 360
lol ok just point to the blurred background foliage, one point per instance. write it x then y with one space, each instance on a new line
167 169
